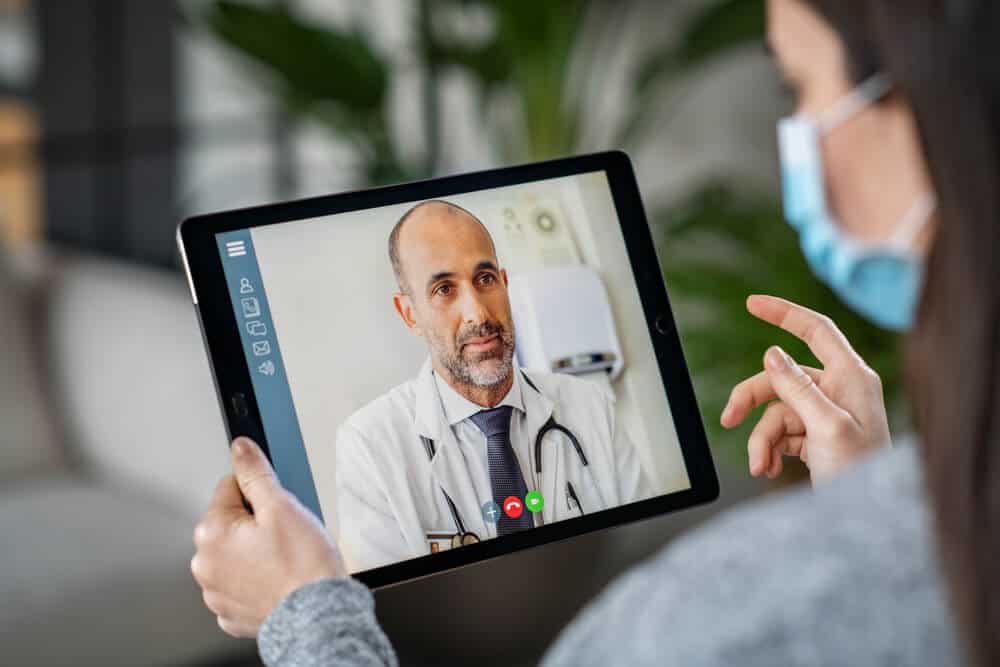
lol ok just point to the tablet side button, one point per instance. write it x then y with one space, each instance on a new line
239 403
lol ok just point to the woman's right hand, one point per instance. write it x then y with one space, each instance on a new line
828 418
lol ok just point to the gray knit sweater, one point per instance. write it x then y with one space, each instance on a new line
843 574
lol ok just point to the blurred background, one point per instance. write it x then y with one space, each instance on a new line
118 118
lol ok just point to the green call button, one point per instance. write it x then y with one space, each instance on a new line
534 501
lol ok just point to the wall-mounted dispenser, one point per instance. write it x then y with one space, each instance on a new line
564 322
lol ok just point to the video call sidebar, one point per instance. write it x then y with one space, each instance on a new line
267 370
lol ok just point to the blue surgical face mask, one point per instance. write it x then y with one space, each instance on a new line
882 281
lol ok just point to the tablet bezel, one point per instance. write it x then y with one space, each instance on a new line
203 263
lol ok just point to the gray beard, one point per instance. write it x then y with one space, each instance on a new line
471 373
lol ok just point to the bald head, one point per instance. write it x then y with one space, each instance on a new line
430 222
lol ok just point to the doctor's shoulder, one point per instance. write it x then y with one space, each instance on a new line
563 389
381 421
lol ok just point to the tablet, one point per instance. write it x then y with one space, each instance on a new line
455 369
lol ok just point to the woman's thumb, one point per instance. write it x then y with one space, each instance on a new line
253 472
797 389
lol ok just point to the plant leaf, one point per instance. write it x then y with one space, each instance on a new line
316 64
719 28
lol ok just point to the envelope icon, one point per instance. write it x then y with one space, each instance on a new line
261 348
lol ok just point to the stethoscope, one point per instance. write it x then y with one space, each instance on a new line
463 537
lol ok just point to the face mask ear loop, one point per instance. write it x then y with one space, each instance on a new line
871 90
914 222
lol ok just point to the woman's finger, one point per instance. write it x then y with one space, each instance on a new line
236 628
753 392
790 445
769 429
796 388
254 475
226 606
794 445
777 423
818 331
777 465
226 497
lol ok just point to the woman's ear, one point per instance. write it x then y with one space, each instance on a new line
902 136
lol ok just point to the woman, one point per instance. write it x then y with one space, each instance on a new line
897 140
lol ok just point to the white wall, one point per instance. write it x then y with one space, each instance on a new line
641 400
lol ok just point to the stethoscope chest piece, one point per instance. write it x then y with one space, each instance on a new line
463 540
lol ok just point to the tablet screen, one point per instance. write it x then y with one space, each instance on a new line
439 373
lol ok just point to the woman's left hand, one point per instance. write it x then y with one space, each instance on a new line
247 562
828 418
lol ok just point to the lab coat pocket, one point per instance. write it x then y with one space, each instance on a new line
438 541
582 494
574 507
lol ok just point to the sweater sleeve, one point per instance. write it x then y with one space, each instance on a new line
328 622
841 575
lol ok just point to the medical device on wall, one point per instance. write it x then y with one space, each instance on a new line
531 233
564 322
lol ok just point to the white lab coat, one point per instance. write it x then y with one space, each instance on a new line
390 503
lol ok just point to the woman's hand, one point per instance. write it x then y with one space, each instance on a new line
246 563
828 418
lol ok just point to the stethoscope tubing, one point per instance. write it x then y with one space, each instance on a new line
459 524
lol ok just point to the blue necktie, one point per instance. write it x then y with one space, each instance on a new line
506 478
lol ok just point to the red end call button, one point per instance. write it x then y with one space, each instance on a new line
513 507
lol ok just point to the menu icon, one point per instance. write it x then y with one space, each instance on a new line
236 248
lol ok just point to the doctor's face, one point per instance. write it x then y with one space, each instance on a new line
455 295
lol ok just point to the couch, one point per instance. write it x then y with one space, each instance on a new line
111 445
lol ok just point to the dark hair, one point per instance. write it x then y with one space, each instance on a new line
397 264
944 58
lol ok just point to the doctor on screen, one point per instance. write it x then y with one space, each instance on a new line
473 447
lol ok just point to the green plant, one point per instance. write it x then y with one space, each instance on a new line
333 76
337 76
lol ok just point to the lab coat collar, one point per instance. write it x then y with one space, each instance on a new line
428 410
430 413
537 406
449 468
458 408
